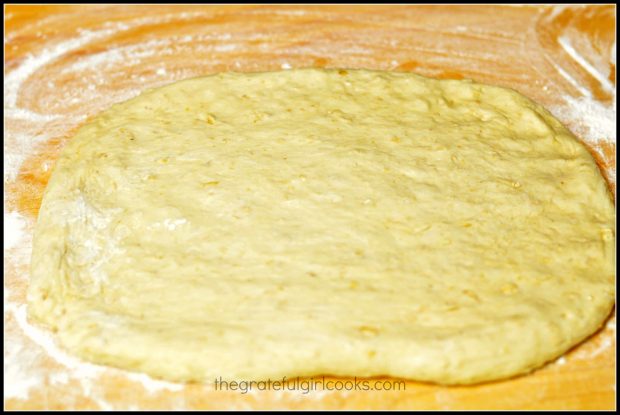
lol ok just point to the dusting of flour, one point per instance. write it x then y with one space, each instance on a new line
26 352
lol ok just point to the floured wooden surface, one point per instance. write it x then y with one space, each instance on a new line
66 63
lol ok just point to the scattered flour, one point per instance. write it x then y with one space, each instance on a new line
21 368
596 73
25 353
591 120
597 122
15 155
14 79
87 373
13 229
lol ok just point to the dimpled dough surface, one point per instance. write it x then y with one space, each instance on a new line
309 222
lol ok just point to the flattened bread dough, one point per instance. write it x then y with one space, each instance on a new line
307 222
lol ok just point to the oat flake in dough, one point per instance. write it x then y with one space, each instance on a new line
309 222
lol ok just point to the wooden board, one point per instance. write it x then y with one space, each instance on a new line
66 63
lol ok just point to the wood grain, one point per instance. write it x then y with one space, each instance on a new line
64 64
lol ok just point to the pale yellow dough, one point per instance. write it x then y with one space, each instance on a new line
308 222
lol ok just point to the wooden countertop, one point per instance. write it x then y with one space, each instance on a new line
66 63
